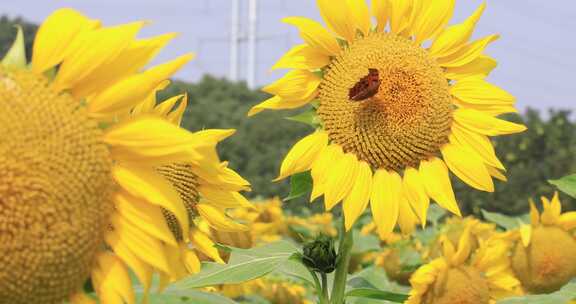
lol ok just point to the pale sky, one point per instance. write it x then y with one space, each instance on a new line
536 51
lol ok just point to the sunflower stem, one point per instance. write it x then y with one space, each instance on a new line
344 254
324 297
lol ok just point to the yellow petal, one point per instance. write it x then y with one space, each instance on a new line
55 36
338 17
151 187
112 280
437 184
315 35
148 138
146 216
218 219
476 90
339 180
479 67
131 60
142 270
166 106
278 103
526 234
380 11
303 154
399 15
407 219
483 123
494 172
204 244
415 193
467 53
192 262
222 198
81 298
357 200
552 209
329 156
360 15
128 92
534 214
385 200
92 49
296 84
478 142
303 57
433 18
464 248
176 115
555 205
448 249
568 220
147 105
454 37
489 109
468 166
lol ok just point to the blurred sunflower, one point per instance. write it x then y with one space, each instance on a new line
453 229
273 290
465 277
88 190
544 260
394 114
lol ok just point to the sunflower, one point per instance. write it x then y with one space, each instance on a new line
453 229
398 105
466 277
90 189
273 290
544 258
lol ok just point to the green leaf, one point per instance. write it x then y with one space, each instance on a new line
308 117
244 265
300 184
504 221
185 297
566 184
562 296
377 295
16 55
296 269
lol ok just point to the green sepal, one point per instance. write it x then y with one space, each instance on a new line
16 55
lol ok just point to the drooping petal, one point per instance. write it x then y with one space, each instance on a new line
476 90
407 219
315 35
437 183
112 280
464 248
433 18
478 142
329 156
385 200
90 50
479 67
204 244
222 198
467 53
55 35
340 179
526 234
357 200
128 92
278 103
468 166
218 219
483 123
303 154
153 188
302 56
415 193
454 37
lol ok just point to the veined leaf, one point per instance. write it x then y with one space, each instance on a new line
504 221
300 184
566 184
377 295
185 297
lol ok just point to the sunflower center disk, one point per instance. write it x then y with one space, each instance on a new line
385 100
54 176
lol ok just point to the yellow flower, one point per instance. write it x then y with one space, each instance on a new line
544 260
395 115
461 277
88 190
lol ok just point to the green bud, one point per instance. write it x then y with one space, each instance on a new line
319 255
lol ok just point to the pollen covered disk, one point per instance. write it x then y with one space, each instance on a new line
54 181
405 121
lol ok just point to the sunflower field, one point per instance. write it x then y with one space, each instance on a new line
383 167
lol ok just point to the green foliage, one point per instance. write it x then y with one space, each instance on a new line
567 184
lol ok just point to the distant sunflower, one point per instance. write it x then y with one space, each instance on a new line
398 105
545 258
465 277
88 190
